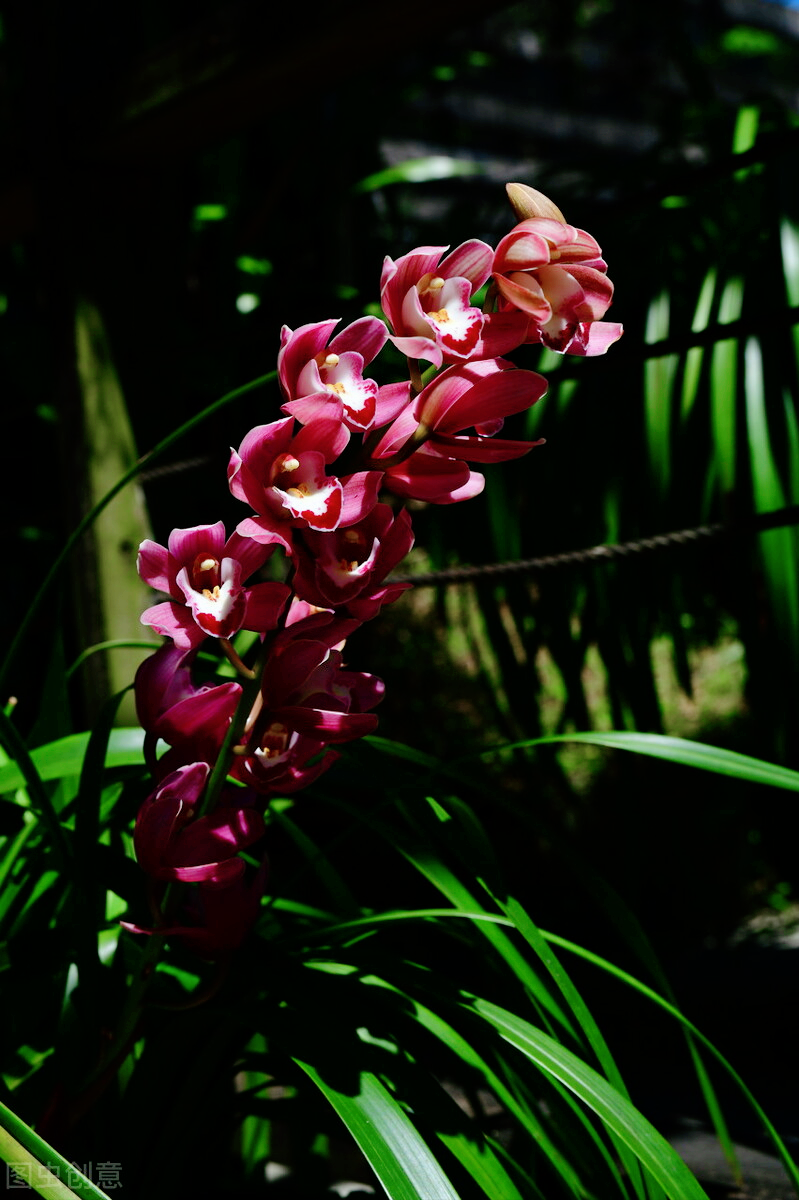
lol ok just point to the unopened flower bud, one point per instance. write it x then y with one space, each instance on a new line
527 202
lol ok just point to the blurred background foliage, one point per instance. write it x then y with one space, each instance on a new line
194 176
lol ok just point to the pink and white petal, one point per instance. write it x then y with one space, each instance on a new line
173 621
597 293
524 292
186 544
219 613
523 249
594 338
359 496
316 501
307 383
297 347
484 450
367 335
414 318
419 347
397 277
456 324
250 467
156 567
471 260
267 531
392 399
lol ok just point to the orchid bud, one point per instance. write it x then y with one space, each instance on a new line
526 202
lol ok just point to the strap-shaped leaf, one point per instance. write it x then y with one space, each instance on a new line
678 750
38 1165
393 1147
651 1148
65 757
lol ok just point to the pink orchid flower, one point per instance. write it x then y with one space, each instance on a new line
203 574
318 377
282 476
428 302
555 274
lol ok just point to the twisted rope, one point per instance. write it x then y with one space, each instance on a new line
608 553
756 523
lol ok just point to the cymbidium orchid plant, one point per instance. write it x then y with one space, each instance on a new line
235 996
325 484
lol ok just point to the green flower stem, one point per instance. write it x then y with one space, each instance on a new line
157 450
249 693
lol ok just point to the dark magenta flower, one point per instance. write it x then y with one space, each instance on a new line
345 569
173 843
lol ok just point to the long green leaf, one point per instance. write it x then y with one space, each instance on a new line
466 1050
393 1147
29 777
650 994
651 1148
778 546
579 1008
677 750
724 377
65 757
39 1165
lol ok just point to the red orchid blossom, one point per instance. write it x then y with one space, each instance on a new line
320 378
282 476
427 299
203 574
476 395
172 843
345 569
